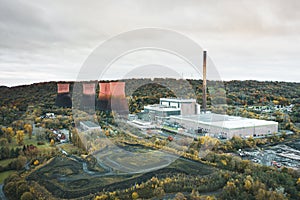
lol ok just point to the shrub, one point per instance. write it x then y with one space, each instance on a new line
21 188
135 195
40 143
10 189
27 196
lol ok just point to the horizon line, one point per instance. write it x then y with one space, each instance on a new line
69 81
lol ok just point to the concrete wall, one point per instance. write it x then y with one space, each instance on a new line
255 130
188 108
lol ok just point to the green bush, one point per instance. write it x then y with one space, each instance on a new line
27 196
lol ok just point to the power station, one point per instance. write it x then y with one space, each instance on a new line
185 114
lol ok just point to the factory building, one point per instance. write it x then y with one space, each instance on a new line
225 126
168 107
159 112
186 106
186 115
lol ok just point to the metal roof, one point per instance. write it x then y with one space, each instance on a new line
224 121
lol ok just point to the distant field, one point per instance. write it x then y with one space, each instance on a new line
4 175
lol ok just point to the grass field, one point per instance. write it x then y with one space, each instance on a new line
69 148
42 148
4 175
5 162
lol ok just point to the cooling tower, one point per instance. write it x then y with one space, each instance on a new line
118 99
63 98
117 89
104 96
112 97
88 96
88 88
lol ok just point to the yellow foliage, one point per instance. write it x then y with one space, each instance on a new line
102 197
168 180
249 178
135 195
107 133
28 130
154 179
224 162
37 120
230 185
52 142
36 162
28 127
31 189
247 185
20 137
298 181
276 102
9 131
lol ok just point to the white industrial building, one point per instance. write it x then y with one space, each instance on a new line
186 112
225 126
170 106
186 106
159 112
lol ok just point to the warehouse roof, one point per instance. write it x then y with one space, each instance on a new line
161 108
178 100
225 121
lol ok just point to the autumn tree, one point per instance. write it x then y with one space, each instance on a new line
20 137
298 181
8 133
135 195
28 130
18 124
247 184
27 196
52 142
101 197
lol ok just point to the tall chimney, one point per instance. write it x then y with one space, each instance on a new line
204 83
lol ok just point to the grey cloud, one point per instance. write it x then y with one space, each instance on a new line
58 35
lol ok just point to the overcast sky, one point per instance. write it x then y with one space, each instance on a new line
246 39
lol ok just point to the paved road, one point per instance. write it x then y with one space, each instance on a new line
2 196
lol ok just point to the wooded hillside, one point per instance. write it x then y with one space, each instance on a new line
14 101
